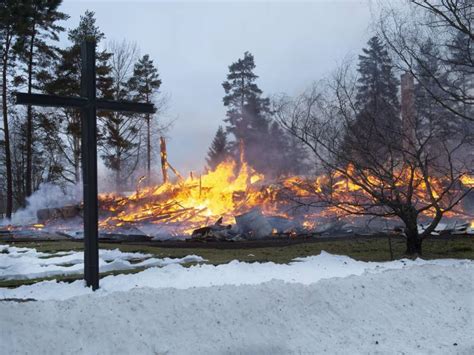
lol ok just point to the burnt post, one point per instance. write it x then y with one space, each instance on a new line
88 104
164 160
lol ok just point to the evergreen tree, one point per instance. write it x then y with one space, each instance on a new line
460 64
377 120
247 113
267 147
66 82
145 83
37 53
218 151
288 156
431 116
377 90
12 25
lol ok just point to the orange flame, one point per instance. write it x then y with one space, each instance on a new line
233 188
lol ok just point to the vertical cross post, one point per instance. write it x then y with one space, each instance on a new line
88 104
89 166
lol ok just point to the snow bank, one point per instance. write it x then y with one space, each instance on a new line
421 308
28 263
306 271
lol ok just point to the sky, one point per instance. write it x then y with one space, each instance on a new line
192 44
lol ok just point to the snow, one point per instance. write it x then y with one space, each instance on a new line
169 272
324 303
421 309
28 263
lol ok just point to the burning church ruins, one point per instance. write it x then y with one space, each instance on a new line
381 167
235 202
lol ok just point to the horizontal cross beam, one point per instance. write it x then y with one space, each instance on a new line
80 102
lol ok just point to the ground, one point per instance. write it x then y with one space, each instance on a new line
365 249
293 299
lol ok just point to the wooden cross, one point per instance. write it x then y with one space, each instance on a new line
88 104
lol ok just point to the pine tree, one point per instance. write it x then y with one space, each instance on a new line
12 25
66 82
37 53
288 156
377 121
218 151
431 115
146 82
247 112
461 69
377 90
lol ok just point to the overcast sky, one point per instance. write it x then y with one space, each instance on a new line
193 43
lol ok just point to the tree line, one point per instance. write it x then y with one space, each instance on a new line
408 162
44 145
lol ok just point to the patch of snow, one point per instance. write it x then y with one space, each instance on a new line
27 263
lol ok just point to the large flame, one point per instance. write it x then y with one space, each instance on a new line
190 203
233 188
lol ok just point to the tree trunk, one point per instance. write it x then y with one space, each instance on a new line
413 240
118 177
148 149
29 123
77 159
8 161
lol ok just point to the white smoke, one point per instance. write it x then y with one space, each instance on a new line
47 196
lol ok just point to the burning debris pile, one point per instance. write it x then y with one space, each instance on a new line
221 203
235 202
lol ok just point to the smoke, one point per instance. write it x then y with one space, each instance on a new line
47 196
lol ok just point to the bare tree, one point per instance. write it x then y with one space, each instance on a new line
456 14
419 177
120 131
447 23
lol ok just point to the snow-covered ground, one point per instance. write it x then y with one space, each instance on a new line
27 263
319 304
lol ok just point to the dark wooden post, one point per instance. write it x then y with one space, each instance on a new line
89 166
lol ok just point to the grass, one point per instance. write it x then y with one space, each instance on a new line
359 249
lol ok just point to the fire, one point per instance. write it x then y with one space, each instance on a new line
193 202
233 188
467 180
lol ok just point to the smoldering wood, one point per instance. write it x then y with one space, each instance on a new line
56 213
164 160
165 164
178 175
